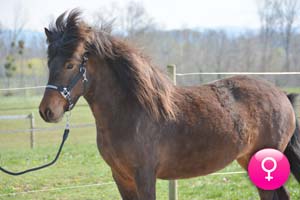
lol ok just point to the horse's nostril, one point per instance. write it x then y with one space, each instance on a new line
48 113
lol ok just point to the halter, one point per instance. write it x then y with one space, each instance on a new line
65 91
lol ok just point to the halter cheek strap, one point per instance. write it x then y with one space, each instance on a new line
65 91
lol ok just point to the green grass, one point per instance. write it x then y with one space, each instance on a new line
292 90
81 164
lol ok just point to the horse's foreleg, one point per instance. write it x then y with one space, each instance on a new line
145 182
127 188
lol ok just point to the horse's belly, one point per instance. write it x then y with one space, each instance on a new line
196 158
192 168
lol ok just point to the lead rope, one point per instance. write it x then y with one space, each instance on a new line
64 138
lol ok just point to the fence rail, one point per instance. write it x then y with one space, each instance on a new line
22 88
179 74
57 189
46 129
237 73
96 185
13 117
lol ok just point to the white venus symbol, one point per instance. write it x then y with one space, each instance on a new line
269 177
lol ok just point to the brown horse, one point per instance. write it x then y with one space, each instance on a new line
147 128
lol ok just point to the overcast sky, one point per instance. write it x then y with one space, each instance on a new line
170 14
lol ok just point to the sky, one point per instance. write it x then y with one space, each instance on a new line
169 14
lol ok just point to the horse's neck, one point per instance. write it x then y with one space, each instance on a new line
105 96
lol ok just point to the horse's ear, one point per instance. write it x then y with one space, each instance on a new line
48 34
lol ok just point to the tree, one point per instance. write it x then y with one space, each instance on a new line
10 68
19 22
107 15
1 45
248 44
268 15
136 20
17 45
288 12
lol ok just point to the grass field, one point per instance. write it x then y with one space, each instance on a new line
81 164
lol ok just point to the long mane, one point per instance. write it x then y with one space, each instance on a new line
144 82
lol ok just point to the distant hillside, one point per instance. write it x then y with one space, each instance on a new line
26 35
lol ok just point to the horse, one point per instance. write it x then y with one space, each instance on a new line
148 128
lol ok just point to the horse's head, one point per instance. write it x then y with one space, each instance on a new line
67 62
124 70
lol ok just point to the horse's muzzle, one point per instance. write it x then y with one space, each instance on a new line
52 106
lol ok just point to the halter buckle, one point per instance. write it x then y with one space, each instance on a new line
65 93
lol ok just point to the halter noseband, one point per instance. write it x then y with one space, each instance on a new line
65 91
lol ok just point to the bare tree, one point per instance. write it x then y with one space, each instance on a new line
267 11
288 11
108 14
19 22
131 21
136 20
15 48
220 51
1 41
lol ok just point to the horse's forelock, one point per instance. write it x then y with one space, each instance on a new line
66 34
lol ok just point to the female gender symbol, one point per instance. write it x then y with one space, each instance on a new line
268 161
269 177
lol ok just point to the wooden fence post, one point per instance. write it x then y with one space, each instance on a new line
172 72
32 142
173 193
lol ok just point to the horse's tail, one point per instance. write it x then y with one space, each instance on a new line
292 150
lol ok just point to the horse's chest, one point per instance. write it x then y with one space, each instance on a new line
114 154
106 148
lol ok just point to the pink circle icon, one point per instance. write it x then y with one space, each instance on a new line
269 169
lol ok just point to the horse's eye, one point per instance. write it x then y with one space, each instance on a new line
69 66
